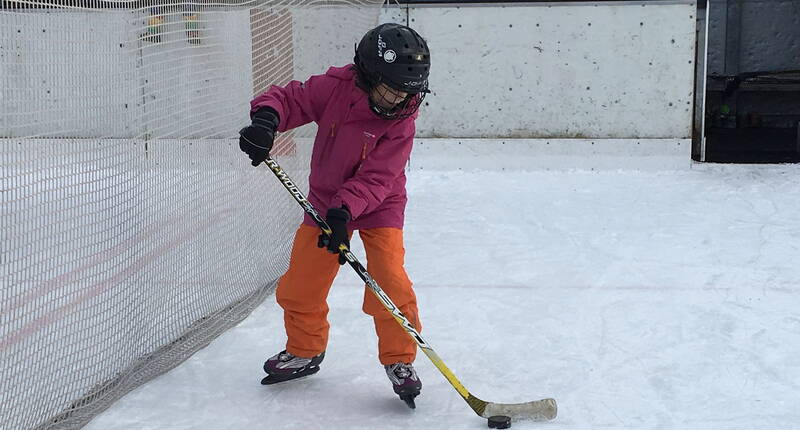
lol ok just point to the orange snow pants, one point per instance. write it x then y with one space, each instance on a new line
303 291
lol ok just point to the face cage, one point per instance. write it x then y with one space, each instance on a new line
402 110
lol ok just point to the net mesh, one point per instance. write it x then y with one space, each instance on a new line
134 231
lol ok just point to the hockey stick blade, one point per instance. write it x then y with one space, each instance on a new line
539 410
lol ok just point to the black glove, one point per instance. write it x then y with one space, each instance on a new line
337 219
256 139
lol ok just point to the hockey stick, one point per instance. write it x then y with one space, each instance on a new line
538 410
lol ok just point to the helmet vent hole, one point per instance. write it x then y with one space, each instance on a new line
409 69
406 45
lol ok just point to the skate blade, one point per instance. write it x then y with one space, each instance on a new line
409 399
277 379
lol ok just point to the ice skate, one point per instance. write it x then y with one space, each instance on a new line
405 381
284 366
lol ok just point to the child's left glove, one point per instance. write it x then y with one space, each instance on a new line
257 138
337 220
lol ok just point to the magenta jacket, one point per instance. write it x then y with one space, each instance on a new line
358 159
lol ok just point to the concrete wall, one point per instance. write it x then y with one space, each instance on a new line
613 77
90 74
540 72
69 74
598 70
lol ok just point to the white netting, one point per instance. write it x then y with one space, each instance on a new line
134 231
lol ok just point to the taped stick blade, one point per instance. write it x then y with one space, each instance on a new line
539 410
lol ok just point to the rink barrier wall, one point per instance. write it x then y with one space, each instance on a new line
109 63
550 154
567 72
134 231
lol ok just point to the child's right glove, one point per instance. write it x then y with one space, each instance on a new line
257 138
337 220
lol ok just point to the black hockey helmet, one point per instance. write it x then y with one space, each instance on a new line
397 56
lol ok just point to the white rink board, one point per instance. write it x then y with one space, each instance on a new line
547 70
551 154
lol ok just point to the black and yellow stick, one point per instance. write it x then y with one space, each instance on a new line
538 410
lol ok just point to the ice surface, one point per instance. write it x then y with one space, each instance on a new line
636 299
